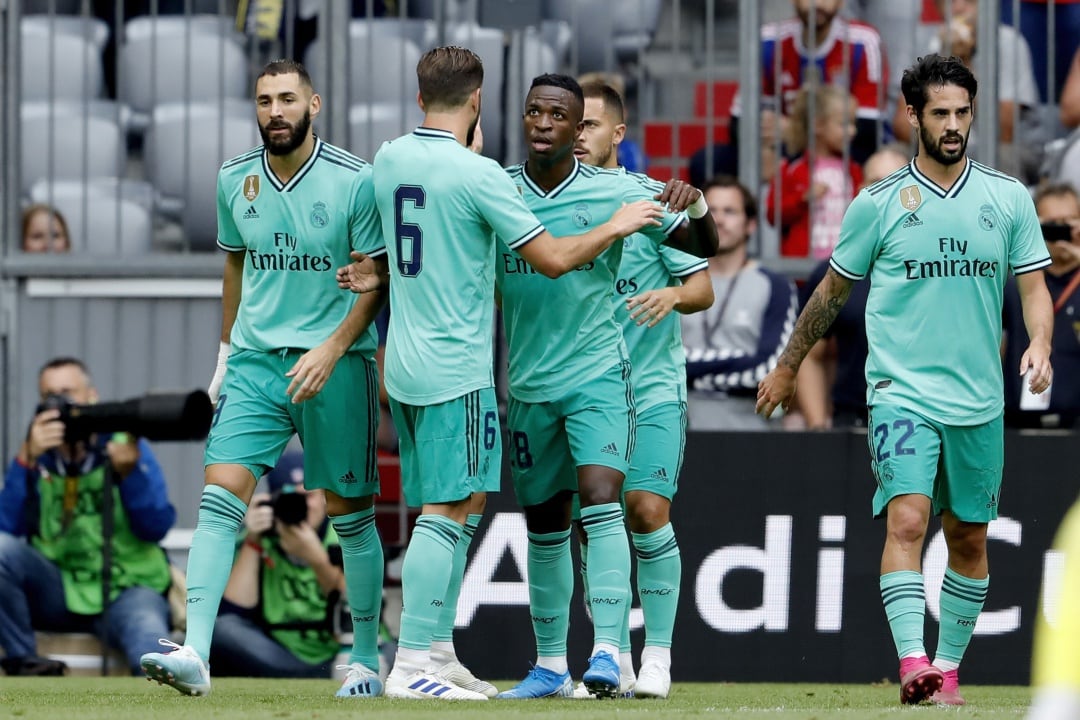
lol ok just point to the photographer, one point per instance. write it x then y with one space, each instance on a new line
1058 208
275 616
52 497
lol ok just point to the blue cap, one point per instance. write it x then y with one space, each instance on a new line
288 471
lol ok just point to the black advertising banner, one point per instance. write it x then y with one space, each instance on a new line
781 563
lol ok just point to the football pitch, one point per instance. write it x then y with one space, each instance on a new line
80 698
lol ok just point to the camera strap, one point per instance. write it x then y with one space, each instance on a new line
1068 291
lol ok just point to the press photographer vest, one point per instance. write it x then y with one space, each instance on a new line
293 606
70 536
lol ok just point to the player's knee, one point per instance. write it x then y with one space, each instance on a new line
647 512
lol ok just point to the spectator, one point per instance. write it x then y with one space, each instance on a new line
44 230
1058 208
832 384
52 497
1070 95
1020 146
730 346
835 51
276 616
816 188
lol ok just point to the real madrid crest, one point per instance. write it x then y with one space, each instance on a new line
319 217
582 216
251 187
910 198
987 218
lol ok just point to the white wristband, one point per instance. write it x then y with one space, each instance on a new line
699 208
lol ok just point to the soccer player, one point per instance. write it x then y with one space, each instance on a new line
440 204
938 239
571 409
654 282
1056 663
297 355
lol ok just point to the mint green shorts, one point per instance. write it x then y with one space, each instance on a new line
255 419
593 424
957 466
658 450
449 451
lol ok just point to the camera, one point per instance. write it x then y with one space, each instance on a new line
156 416
289 507
1054 232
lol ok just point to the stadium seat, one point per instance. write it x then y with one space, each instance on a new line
371 124
174 59
70 141
186 143
635 25
106 216
382 68
595 49
60 57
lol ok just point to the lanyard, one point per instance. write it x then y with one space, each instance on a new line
718 318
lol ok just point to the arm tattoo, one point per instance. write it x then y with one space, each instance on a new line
820 311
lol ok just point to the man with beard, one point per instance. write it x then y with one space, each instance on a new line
441 207
938 241
297 356
655 282
571 408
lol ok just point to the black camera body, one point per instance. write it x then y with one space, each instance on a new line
1056 232
289 507
157 416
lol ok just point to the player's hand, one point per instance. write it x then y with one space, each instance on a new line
652 306
478 140
677 195
123 452
1037 359
311 372
777 389
361 275
630 218
301 541
259 517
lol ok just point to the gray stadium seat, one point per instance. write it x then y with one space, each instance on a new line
635 25
370 125
106 216
66 7
380 69
184 148
61 58
179 59
595 49
70 141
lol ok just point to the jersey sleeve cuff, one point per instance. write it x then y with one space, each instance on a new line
532 234
702 264
230 248
849 274
1032 266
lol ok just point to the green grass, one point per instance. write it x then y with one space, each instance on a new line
78 698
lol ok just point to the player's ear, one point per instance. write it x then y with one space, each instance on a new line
620 133
912 117
315 106
420 101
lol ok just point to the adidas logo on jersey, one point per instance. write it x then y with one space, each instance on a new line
610 449
251 213
660 474
912 221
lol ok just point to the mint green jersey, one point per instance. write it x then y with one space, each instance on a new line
562 332
938 260
441 206
294 236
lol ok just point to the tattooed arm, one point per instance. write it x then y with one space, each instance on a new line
778 387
